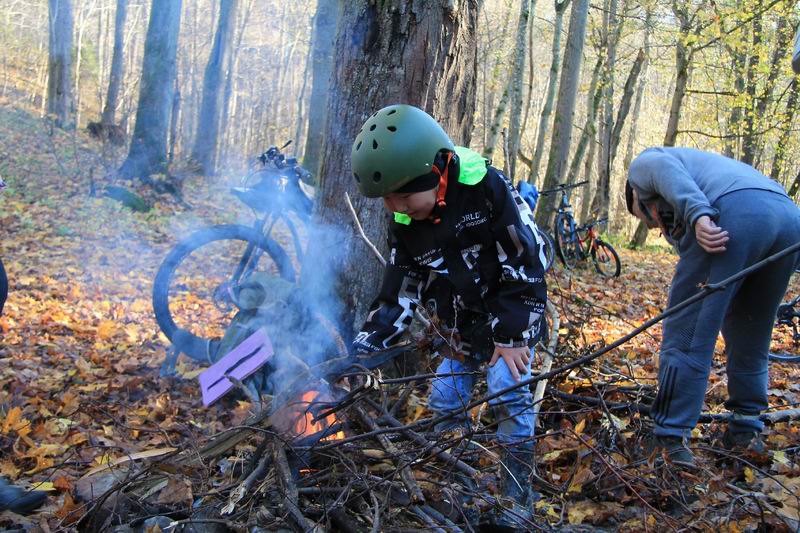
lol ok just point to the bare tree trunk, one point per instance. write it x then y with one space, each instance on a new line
683 61
589 130
749 138
148 150
229 90
492 128
117 62
518 68
59 80
786 131
173 123
602 201
565 107
602 194
322 61
552 84
206 138
372 40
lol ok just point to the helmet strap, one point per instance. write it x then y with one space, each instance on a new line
440 194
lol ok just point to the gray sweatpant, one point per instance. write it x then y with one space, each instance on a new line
759 223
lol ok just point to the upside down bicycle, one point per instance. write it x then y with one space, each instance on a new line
203 279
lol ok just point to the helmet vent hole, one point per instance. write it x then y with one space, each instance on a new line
374 144
392 112
372 128
356 177
376 177
358 145
391 128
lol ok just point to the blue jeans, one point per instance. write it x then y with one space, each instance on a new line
760 223
513 411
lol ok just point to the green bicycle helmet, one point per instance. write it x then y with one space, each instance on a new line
394 146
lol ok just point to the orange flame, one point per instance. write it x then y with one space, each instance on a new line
305 426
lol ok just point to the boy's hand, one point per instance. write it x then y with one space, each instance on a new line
709 236
517 359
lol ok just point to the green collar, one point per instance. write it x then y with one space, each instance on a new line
472 170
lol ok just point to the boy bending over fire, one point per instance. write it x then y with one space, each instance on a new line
464 242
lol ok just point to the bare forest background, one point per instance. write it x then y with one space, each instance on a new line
711 75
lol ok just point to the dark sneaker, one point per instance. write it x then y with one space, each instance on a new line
18 500
743 441
675 449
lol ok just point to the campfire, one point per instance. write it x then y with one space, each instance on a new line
303 419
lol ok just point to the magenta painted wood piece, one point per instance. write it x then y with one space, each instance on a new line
249 356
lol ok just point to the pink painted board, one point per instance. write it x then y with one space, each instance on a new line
251 354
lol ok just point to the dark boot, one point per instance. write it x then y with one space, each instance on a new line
18 500
517 497
740 441
675 449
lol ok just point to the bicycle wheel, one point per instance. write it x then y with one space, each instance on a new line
195 287
566 241
605 258
549 249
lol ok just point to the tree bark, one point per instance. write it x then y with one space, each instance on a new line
589 130
550 95
565 108
148 150
435 43
117 63
59 80
322 61
204 152
518 68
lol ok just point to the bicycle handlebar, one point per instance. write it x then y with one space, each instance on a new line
563 187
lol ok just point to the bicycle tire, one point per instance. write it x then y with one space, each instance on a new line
784 357
607 257
187 342
565 241
549 249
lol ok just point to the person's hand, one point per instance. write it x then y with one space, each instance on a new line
710 236
517 359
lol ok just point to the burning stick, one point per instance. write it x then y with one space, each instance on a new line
290 494
405 472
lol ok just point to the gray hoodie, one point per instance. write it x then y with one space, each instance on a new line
686 183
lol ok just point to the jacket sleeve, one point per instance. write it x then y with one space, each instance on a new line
655 173
519 302
392 311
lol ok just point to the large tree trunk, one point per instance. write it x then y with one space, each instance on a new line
322 60
59 80
550 95
435 43
204 152
514 133
148 151
565 108
117 62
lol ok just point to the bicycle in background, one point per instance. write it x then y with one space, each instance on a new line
577 243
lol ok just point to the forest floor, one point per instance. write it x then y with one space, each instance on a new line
80 353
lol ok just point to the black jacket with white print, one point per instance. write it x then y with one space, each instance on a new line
487 249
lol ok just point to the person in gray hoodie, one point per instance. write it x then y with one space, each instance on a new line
722 216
